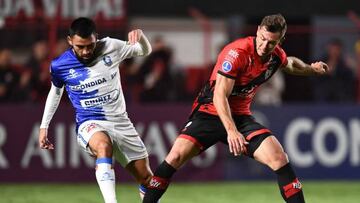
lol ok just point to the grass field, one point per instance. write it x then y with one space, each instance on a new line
229 192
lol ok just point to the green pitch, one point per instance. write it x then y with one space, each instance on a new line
225 192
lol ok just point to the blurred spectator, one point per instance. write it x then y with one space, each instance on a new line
357 63
128 72
154 73
270 93
339 85
61 46
12 82
38 65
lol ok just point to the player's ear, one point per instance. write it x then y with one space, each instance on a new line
258 30
69 40
282 40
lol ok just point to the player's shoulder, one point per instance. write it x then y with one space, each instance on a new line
242 47
64 59
245 44
109 43
280 52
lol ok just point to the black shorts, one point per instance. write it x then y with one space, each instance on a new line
205 130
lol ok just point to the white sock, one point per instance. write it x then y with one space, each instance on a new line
105 177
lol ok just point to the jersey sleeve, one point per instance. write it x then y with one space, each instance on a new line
55 78
230 62
283 57
125 49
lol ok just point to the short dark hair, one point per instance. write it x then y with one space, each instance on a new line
84 27
274 23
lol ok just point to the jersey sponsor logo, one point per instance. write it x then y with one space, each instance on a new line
88 84
246 92
73 74
107 60
101 100
226 66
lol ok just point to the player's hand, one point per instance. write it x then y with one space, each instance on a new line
237 143
134 36
320 68
44 143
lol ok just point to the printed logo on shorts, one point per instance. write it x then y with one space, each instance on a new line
187 125
90 127
226 66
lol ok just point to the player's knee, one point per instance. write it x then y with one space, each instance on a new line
175 158
104 149
278 160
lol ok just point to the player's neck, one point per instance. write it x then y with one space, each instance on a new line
266 58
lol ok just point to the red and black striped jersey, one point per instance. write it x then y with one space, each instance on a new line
239 61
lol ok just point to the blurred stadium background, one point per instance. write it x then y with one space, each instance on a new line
316 119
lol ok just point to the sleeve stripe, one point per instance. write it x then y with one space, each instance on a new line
226 75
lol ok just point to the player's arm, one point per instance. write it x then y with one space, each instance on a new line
223 88
296 66
138 35
52 103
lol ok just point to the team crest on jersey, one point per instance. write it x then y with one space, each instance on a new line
107 60
226 66
268 73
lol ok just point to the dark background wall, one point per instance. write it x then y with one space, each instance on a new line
216 8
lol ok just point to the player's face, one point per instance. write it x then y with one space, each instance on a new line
83 47
266 41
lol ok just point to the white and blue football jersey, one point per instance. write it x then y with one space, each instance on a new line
95 88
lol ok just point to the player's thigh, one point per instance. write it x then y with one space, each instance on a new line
254 132
100 141
140 169
127 148
204 130
271 153
92 135
182 150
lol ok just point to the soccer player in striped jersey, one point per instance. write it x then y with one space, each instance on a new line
221 112
89 71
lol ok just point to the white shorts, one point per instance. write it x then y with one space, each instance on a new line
127 145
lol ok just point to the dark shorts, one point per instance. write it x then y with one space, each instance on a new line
205 130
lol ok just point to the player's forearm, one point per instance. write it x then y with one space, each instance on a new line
296 66
52 102
145 45
223 109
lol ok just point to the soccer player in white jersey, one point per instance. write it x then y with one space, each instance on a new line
89 72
